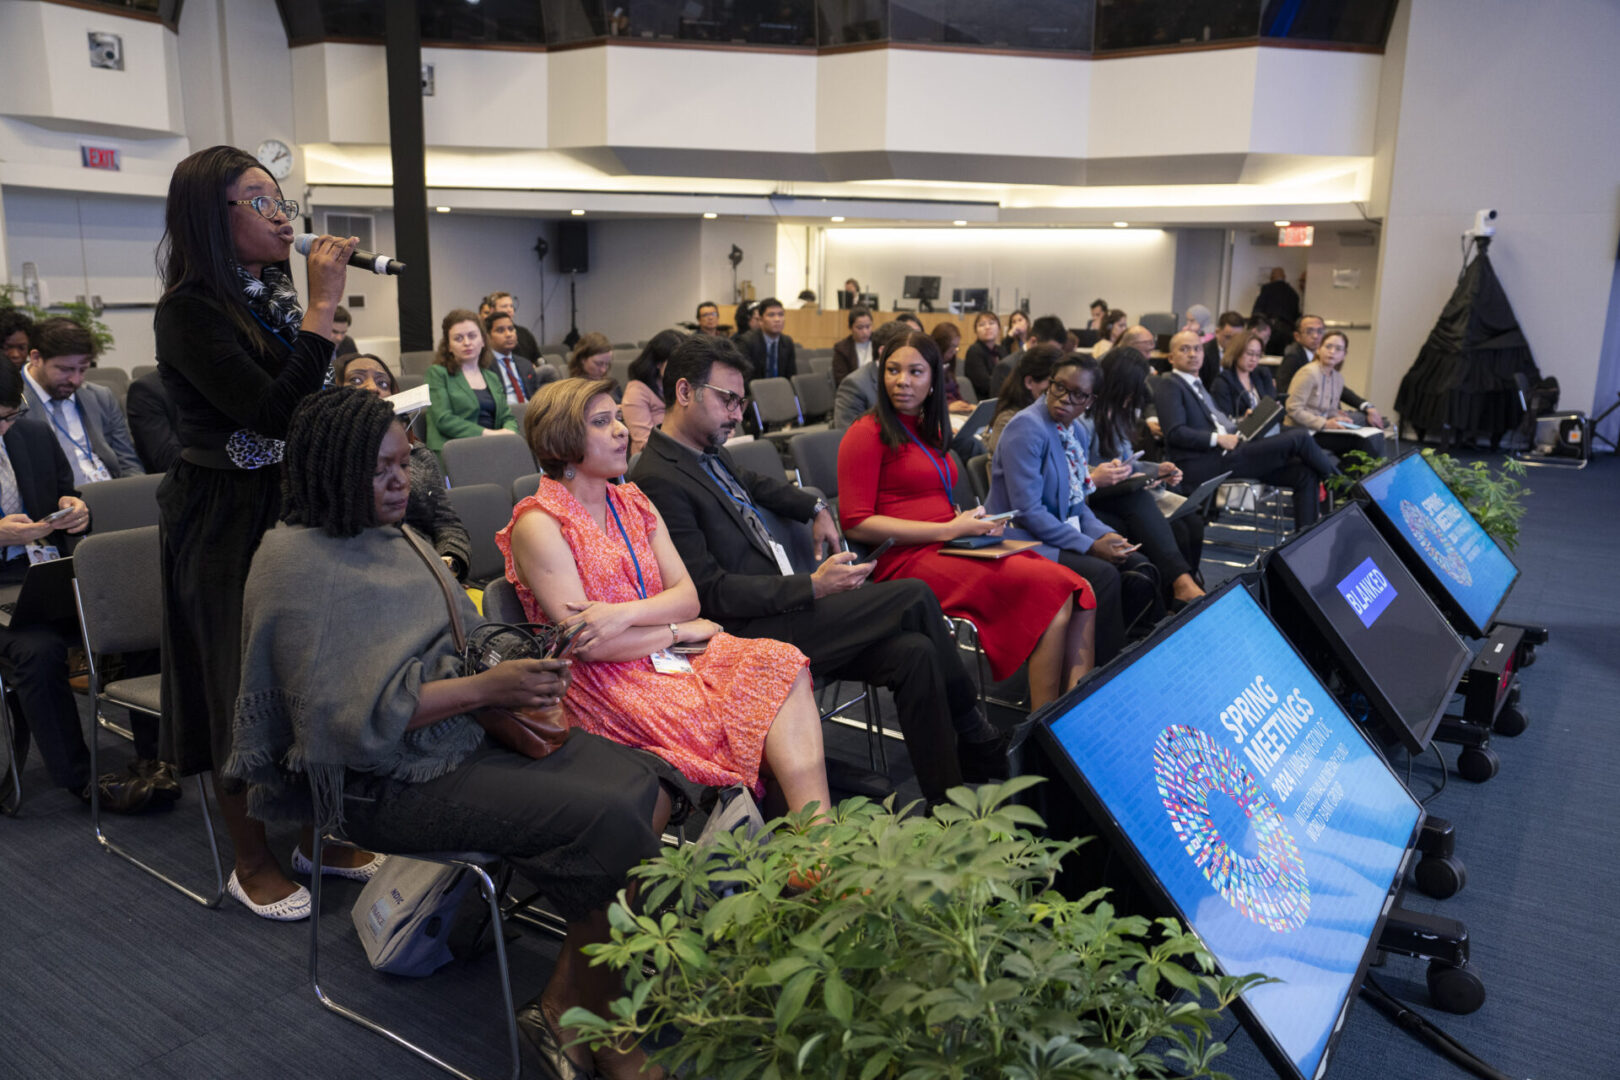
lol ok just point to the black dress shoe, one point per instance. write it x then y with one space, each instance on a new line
984 762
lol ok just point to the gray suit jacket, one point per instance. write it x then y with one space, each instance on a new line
856 396
103 422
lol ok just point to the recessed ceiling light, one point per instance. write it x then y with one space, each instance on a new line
1282 224
442 209
577 213
837 219
710 216
959 222
1122 224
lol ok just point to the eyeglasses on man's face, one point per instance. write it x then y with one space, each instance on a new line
267 207
730 400
15 414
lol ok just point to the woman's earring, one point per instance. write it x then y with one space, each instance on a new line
568 473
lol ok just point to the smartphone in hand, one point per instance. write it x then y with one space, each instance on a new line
875 553
1008 516
55 516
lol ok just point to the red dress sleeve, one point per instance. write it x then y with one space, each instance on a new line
860 466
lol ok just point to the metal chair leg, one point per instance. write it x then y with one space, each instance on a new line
102 838
491 895
14 767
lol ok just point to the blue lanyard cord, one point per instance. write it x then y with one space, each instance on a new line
56 422
273 331
939 469
641 582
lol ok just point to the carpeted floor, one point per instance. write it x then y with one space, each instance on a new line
106 973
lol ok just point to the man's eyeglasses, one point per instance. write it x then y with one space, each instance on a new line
15 414
728 398
267 207
1061 392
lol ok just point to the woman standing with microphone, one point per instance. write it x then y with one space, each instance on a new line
236 355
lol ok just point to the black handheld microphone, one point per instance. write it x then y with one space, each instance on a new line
366 260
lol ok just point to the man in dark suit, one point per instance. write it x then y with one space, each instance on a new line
1227 328
1307 339
526 347
1278 302
152 422
1046 328
35 481
340 333
889 634
519 377
85 417
852 351
770 351
1203 441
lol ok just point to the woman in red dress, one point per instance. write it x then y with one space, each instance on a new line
895 478
582 550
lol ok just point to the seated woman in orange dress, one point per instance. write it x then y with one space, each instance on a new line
895 478
582 550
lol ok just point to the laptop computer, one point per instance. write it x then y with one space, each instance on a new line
45 596
1195 501
1261 419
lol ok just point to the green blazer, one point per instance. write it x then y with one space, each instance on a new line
453 406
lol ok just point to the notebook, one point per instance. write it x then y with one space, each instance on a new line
1260 420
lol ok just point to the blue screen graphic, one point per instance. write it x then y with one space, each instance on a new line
1273 826
1467 562
1367 591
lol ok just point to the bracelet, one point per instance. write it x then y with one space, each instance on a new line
674 634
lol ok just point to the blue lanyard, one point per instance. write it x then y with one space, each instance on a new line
56 421
742 505
641 583
939 469
273 331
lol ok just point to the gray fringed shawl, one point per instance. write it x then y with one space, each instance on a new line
338 636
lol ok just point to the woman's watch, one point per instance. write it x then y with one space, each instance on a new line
821 504
674 634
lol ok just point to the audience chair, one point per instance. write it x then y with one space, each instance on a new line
418 426
978 470
821 365
501 603
964 386
118 591
485 509
486 459
619 366
627 346
815 392
128 502
774 403
758 455
524 486
979 418
815 459
963 494
409 381
113 378
558 349
470 863
1161 322
1254 518
415 362
141 371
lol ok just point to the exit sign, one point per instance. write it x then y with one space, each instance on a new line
99 157
1296 235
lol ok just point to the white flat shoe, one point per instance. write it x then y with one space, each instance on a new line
288 909
302 865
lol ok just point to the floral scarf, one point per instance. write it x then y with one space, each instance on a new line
273 299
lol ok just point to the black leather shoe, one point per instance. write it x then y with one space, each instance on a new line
162 775
125 793
984 762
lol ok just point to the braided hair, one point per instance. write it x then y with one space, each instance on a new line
332 446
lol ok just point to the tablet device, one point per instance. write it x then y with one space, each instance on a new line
46 596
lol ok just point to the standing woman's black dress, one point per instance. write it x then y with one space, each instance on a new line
234 394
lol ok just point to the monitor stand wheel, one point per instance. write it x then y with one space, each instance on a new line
1510 721
1478 764
1439 873
1454 989
1453 985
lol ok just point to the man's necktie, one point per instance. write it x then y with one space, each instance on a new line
770 359
10 498
745 506
1222 421
517 383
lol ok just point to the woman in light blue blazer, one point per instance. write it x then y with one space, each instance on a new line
465 395
1039 473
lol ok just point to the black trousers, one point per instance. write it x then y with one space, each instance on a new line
890 634
34 660
1124 593
1136 517
1342 442
1291 459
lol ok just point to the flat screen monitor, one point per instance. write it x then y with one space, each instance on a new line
920 287
1248 804
1341 584
971 299
1465 571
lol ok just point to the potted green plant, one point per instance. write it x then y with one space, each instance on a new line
923 947
81 313
1495 499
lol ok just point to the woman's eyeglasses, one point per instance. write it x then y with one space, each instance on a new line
1061 392
267 207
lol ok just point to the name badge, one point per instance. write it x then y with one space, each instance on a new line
667 663
782 562
39 552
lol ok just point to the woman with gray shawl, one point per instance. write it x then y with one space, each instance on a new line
353 711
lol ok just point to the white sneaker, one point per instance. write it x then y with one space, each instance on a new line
290 908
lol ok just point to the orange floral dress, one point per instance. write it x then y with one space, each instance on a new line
711 725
